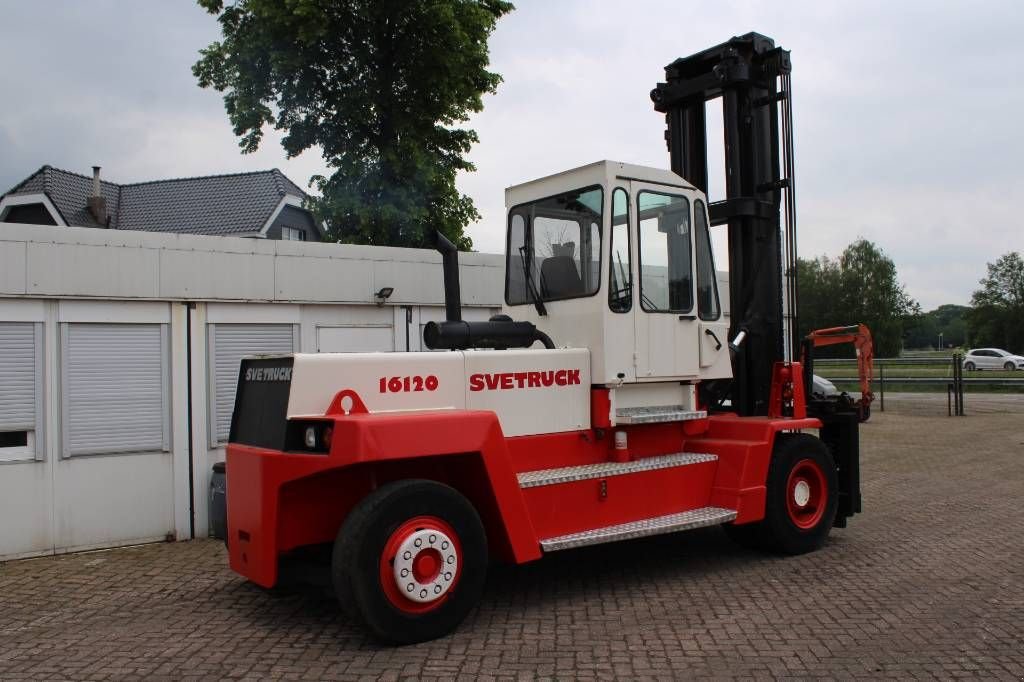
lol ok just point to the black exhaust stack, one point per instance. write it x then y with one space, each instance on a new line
450 260
455 334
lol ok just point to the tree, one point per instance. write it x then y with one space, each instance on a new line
380 87
997 315
860 287
818 281
947 321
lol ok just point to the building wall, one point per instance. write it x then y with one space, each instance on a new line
133 336
295 218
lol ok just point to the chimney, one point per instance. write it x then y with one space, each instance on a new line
96 203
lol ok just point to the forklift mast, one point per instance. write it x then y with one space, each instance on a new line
752 77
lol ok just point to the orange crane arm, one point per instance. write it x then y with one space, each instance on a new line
860 336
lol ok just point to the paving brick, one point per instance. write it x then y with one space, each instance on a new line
927 583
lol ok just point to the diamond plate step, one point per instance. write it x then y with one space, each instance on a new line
652 415
696 518
532 479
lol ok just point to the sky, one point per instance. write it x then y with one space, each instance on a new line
907 114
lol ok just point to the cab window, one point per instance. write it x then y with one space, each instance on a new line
620 271
708 307
666 271
554 248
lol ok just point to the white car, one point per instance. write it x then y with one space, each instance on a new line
823 387
992 358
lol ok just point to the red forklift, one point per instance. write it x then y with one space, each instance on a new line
610 400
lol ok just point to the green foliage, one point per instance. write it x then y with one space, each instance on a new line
860 287
949 320
997 316
378 86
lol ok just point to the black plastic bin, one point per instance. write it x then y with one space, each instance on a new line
219 502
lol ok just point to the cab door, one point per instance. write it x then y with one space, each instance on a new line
666 326
715 362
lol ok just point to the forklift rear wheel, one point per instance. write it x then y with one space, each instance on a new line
801 502
410 561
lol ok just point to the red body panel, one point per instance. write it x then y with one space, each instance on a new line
416 443
280 501
600 502
744 448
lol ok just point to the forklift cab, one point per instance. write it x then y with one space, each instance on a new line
617 258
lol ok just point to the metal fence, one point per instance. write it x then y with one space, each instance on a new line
946 371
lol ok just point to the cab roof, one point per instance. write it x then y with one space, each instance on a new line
598 173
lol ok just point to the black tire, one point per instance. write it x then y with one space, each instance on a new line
969 366
779 532
356 564
1009 366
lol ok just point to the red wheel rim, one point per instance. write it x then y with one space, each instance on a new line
413 564
806 494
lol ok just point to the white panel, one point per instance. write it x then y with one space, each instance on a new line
93 270
317 378
228 344
115 388
86 262
354 339
253 313
109 501
479 285
22 310
417 282
12 267
114 311
25 491
437 313
19 366
218 275
323 279
348 315
715 362
523 388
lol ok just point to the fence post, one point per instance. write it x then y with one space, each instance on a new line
881 385
958 358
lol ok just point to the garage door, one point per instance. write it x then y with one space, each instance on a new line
113 481
228 344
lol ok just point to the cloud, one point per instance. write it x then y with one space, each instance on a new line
906 113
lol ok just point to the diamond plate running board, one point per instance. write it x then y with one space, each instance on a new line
654 415
696 518
532 479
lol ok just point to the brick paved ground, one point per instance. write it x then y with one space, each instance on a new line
928 582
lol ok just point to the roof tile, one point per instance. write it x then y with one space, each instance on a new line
212 205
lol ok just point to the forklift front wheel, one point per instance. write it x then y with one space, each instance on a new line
801 499
410 561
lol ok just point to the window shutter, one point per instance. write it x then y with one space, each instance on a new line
229 343
18 376
115 388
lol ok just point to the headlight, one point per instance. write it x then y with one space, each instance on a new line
309 436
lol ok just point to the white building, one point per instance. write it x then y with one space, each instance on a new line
119 354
